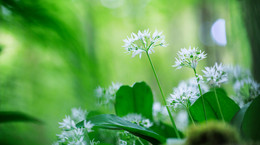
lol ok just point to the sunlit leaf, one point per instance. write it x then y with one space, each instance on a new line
110 121
137 99
228 106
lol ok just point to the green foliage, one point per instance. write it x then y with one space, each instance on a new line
165 130
8 116
110 121
137 99
251 121
228 106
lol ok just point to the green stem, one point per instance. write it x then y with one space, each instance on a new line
203 102
218 104
159 85
140 141
188 110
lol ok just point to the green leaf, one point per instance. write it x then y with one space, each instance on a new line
110 121
228 106
137 99
165 130
251 122
9 116
238 118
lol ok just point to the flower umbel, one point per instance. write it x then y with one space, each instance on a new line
70 134
107 96
189 58
143 41
215 75
184 95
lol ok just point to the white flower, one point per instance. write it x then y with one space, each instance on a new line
189 58
107 96
193 82
215 75
144 42
159 111
99 92
247 89
78 114
122 142
184 95
88 125
67 123
70 134
138 119
182 120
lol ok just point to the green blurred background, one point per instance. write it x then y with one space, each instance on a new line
54 53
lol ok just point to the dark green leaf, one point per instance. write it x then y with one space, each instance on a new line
165 130
251 122
137 99
110 121
238 118
228 106
9 116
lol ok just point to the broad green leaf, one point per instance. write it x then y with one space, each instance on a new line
238 118
251 122
228 106
10 116
110 121
165 130
137 99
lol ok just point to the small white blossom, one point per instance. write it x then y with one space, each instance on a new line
182 120
184 95
159 111
88 125
193 82
215 75
107 96
71 135
247 89
143 41
138 119
122 142
189 58
78 114
67 123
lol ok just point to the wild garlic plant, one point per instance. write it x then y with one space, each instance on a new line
145 42
72 135
215 76
189 58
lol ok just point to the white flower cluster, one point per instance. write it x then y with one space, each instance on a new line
185 95
159 111
107 96
189 58
127 138
247 88
70 134
143 41
138 119
215 75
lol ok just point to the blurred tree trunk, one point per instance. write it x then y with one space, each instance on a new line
251 14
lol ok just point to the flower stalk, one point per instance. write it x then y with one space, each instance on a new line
221 114
162 94
202 98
